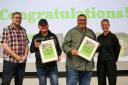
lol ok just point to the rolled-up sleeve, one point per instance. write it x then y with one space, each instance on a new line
66 46
5 36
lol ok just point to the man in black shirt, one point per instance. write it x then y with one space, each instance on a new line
48 69
108 55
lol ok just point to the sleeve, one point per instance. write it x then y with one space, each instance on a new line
117 48
98 49
5 36
59 51
26 37
94 36
32 46
66 46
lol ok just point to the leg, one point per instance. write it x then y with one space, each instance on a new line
19 73
53 75
42 74
8 70
71 76
85 77
111 73
101 73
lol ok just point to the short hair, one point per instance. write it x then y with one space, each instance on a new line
14 13
104 20
81 15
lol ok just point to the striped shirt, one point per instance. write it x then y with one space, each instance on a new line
73 39
16 39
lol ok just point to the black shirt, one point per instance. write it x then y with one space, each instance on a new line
39 37
110 47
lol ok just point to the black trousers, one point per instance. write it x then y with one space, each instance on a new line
106 69
10 69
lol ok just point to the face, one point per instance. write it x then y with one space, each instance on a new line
105 26
82 21
16 19
43 29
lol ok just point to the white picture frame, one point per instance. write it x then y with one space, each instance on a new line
48 51
87 48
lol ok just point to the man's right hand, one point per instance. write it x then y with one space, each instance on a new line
74 52
37 44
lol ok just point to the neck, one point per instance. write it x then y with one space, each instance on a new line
106 33
45 34
16 26
83 29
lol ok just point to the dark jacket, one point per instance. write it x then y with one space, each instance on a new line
110 47
39 37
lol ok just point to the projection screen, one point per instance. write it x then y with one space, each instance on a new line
61 16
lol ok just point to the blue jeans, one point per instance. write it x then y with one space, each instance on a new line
43 72
9 68
75 76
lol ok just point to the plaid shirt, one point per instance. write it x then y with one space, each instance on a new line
16 39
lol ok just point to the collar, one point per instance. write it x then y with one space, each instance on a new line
12 27
107 34
81 30
49 33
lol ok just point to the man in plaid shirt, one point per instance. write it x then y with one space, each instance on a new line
15 45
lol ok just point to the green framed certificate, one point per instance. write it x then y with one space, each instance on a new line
87 48
48 51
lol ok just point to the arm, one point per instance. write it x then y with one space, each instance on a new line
66 46
58 48
10 52
117 48
99 46
26 52
32 47
59 51
26 47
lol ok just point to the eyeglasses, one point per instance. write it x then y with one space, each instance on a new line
82 20
18 17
